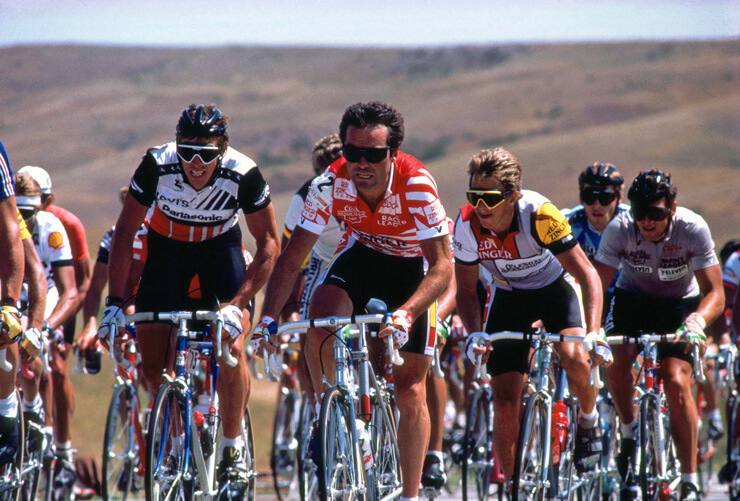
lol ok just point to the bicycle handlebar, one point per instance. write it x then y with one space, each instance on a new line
645 339
4 364
479 338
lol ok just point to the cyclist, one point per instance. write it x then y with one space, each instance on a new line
526 244
54 250
11 279
198 185
395 222
670 280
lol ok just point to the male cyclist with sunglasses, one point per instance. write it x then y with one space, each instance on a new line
395 249
670 280
526 244
198 185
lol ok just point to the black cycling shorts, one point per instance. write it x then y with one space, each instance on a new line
172 264
365 274
631 314
558 305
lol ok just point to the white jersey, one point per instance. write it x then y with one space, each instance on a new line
731 270
52 244
660 269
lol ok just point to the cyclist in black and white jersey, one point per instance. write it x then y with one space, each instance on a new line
670 280
198 185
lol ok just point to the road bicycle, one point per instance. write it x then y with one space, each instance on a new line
358 454
659 474
181 448
11 477
544 464
284 450
727 372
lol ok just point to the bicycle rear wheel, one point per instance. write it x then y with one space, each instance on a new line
477 463
165 451
386 457
308 482
532 452
341 472
10 472
284 444
120 446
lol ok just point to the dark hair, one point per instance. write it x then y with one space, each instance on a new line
363 115
652 186
728 249
202 121
325 152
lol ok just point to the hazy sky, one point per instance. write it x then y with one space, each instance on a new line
357 22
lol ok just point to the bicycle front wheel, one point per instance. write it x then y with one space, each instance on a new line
341 472
477 462
532 452
120 447
165 477
248 453
657 465
733 447
284 444
386 457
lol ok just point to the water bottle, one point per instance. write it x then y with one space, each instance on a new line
364 434
204 433
93 358
559 430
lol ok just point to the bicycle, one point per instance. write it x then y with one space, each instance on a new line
284 451
727 370
11 473
535 477
358 454
658 472
180 461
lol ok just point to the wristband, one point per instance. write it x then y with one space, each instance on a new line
113 301
9 301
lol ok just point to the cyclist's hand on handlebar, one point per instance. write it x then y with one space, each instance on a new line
473 351
232 315
398 327
32 343
266 328
112 313
598 348
10 322
692 331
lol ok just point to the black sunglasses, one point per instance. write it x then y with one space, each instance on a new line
652 212
490 198
373 155
27 213
206 152
589 196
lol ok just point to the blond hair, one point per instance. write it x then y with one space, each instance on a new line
500 164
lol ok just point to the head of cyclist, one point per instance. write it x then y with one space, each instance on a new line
494 187
27 197
730 247
325 152
201 142
600 189
43 179
653 200
371 134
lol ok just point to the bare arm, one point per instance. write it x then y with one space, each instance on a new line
66 307
446 301
713 300
37 288
606 274
129 222
91 304
11 265
576 263
82 279
468 304
437 253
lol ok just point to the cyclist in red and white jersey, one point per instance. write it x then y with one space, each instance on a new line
198 185
395 248
536 265
670 280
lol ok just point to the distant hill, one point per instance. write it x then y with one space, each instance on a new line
87 114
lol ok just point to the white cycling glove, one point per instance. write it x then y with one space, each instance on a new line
265 328
596 342
321 190
232 320
112 313
10 320
470 351
401 323
32 342
692 329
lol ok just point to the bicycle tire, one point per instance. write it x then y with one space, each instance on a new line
165 457
476 459
284 450
11 472
658 460
120 447
609 426
340 470
532 452
564 472
705 460
308 483
387 482
248 453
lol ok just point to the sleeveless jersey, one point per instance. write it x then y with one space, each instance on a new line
326 245
7 188
182 213
585 234
409 212
525 258
52 244
661 269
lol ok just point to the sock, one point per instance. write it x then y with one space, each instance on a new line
689 477
629 430
9 406
36 406
236 443
408 499
63 447
589 420
437 454
714 415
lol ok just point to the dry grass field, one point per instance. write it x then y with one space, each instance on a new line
87 115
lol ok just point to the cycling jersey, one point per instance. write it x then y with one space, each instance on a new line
409 212
182 213
658 269
7 188
139 252
525 258
583 231
75 231
731 271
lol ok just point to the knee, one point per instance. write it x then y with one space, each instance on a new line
410 398
575 360
678 391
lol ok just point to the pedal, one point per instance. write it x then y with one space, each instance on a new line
429 493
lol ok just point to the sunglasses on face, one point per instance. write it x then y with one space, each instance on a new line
652 212
490 198
207 153
373 155
27 212
589 196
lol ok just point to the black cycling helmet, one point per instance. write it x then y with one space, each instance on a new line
201 121
600 174
651 186
728 249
